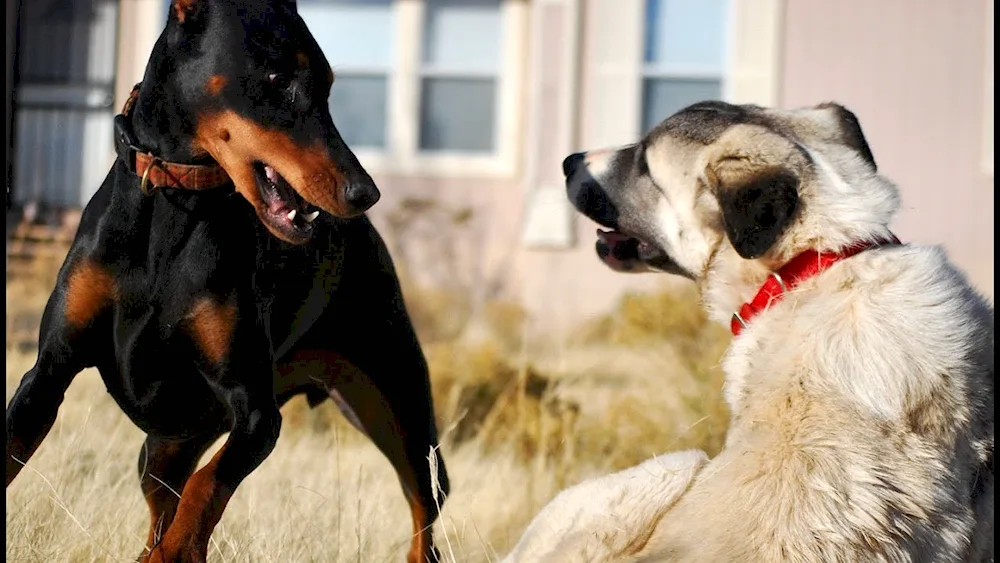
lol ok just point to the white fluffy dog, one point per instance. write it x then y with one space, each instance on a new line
860 376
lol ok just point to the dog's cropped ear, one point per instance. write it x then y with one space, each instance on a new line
850 130
757 203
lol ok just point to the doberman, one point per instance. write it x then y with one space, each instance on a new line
224 266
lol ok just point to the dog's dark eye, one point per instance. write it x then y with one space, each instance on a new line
279 80
640 161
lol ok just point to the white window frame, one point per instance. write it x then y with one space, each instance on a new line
549 219
685 71
402 155
615 69
606 108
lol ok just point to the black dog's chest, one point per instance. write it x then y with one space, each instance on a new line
161 374
180 405
154 378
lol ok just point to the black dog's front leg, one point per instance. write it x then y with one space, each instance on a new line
83 293
33 408
164 468
235 360
257 423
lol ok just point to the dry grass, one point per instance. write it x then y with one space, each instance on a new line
518 426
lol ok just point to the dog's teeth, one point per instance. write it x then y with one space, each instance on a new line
310 217
271 174
291 215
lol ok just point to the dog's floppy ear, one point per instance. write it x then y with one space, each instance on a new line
757 203
850 131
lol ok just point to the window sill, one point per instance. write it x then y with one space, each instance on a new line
549 220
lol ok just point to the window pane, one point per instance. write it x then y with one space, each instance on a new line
462 35
352 33
686 32
457 114
358 105
662 97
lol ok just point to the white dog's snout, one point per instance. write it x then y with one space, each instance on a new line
597 161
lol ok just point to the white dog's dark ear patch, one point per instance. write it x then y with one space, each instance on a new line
756 209
850 131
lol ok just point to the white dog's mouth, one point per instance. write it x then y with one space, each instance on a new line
623 252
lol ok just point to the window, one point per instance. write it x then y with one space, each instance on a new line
684 56
458 74
357 38
644 60
424 86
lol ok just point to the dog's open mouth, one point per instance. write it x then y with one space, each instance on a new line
284 210
625 253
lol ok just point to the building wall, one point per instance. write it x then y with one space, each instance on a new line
524 242
919 75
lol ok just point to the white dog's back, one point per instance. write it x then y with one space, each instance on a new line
855 404
863 412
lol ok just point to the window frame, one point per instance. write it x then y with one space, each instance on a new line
613 75
654 71
349 69
401 154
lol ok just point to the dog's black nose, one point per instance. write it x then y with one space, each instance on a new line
571 163
362 195
590 199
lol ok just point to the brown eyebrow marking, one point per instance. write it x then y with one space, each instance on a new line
303 59
215 84
181 8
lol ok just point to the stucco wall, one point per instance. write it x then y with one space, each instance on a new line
913 71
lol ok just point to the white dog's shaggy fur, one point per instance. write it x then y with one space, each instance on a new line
862 402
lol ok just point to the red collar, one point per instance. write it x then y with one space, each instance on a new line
156 173
802 267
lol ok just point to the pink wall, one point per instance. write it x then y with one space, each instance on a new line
913 71
559 287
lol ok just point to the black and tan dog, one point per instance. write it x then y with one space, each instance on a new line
224 267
